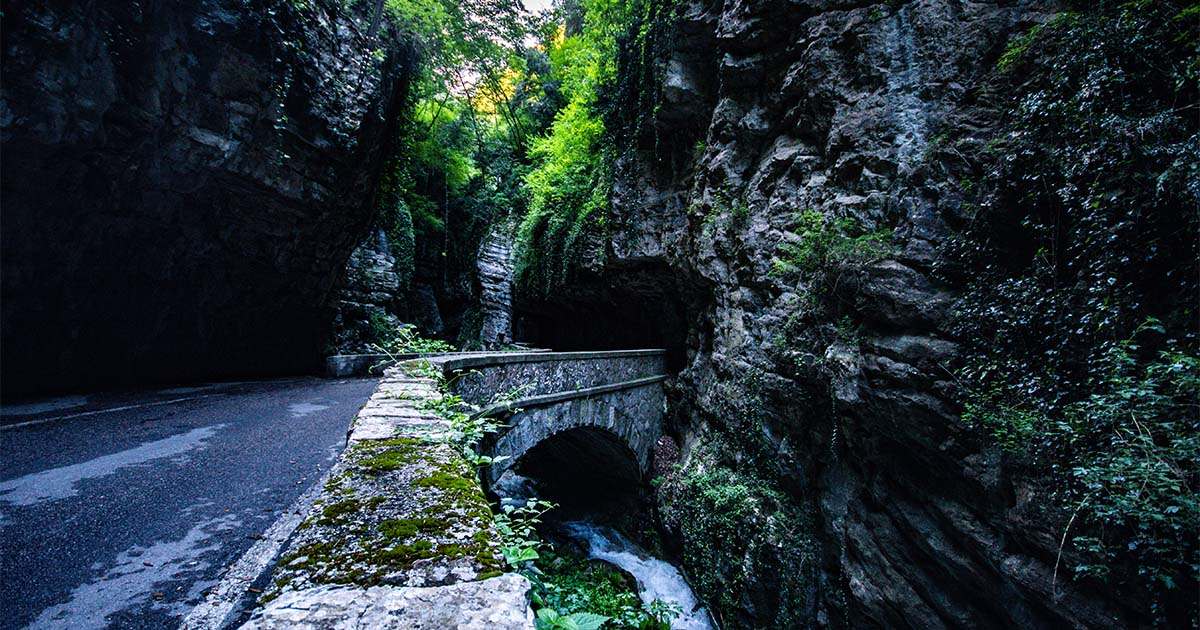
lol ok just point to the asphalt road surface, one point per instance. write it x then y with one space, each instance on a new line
123 510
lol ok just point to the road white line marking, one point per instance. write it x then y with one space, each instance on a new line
99 411
60 483
213 613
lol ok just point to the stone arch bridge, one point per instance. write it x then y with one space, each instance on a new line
401 533
597 411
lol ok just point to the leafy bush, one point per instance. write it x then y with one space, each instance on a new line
572 584
392 209
734 526
550 619
517 526
571 178
406 339
725 216
828 245
1134 460
1080 265
568 198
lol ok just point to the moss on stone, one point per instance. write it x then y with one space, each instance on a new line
409 527
386 460
447 481
396 442
412 499
336 512
711 506
387 455
307 555
403 554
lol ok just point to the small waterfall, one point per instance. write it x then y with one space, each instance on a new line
495 266
656 579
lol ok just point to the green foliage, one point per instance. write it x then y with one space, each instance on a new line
568 588
569 583
467 45
1081 270
501 128
1008 423
422 369
405 339
517 526
568 191
570 179
1134 460
726 215
392 210
469 424
1127 458
637 93
549 619
828 246
456 165
570 592
1017 47
735 526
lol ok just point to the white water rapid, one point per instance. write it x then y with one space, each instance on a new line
656 579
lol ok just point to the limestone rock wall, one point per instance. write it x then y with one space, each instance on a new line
183 182
845 413
495 268
371 295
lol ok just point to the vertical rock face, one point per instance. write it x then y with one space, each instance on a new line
371 293
183 182
495 265
845 417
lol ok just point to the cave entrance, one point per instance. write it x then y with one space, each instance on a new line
633 306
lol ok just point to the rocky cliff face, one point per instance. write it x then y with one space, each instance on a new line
467 297
183 183
372 292
827 478
495 267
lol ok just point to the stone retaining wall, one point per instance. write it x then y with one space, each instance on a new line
401 536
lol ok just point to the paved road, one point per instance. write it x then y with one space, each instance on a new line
122 510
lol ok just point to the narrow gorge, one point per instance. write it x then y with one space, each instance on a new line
686 313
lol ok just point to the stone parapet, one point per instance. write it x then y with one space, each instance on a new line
401 535
478 378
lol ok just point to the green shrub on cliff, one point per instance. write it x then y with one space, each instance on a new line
570 179
568 198
1081 269
404 339
738 530
827 245
1136 465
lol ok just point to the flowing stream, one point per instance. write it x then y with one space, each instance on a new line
656 579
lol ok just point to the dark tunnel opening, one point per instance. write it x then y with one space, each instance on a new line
587 471
636 306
